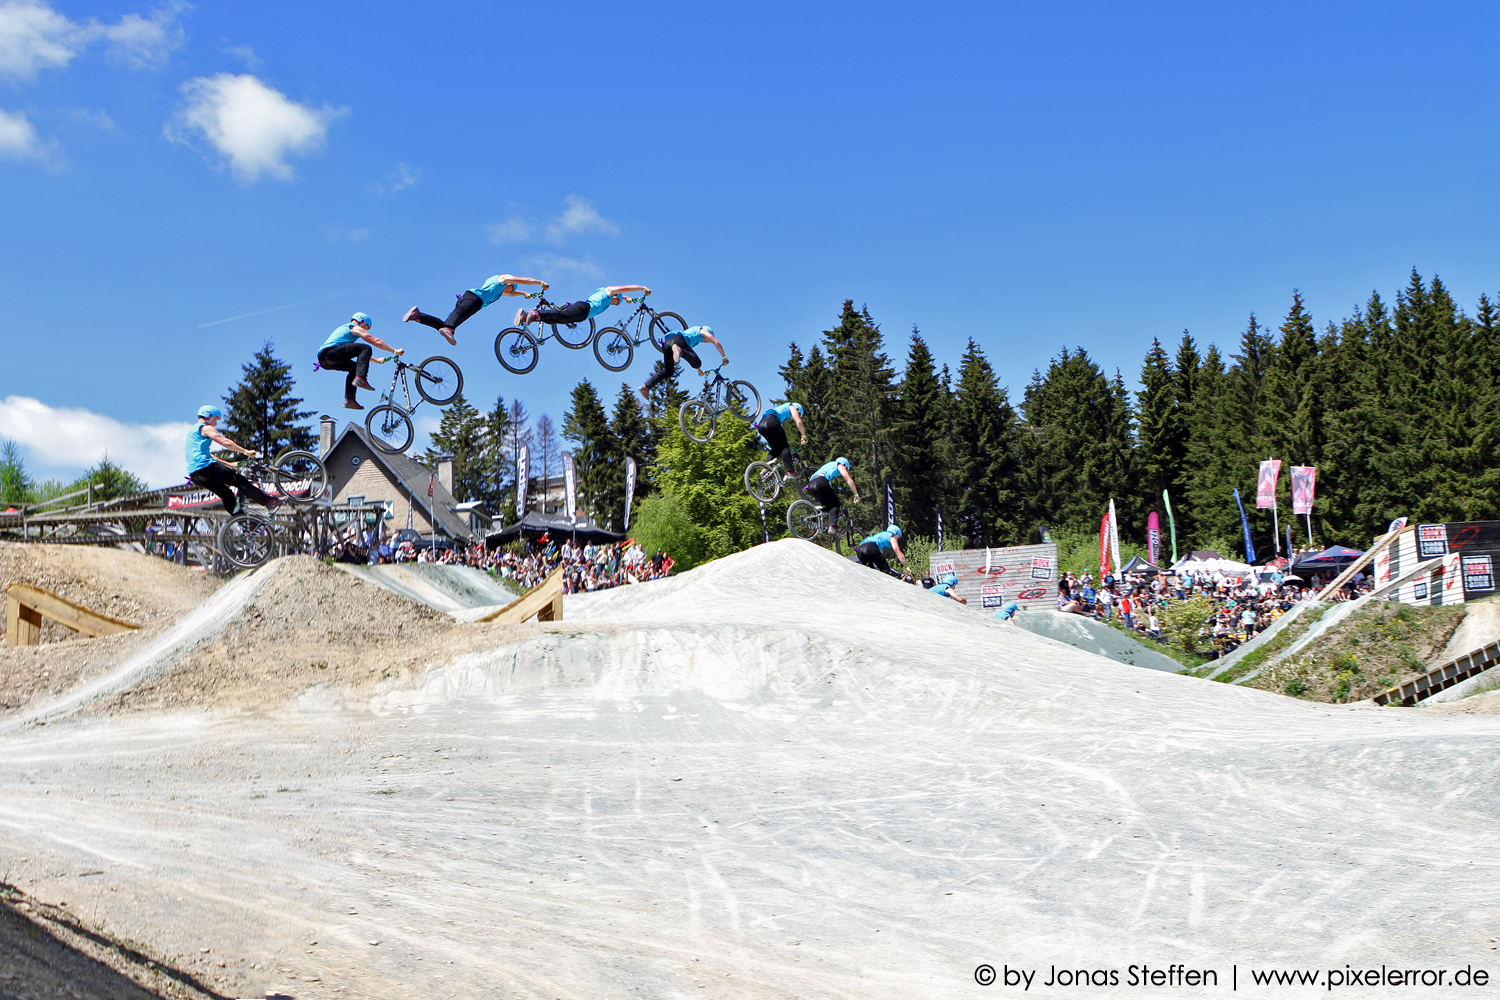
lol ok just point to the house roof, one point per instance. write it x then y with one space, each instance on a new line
413 477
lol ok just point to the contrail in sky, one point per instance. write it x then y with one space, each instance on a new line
262 312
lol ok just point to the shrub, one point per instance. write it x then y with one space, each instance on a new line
1296 687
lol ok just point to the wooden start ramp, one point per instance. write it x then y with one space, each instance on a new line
26 606
543 602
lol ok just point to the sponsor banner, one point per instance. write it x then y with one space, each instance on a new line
1041 568
1479 573
570 485
1396 525
991 596
523 479
1114 537
1432 541
1469 550
629 489
1008 568
1304 488
940 528
1265 483
1104 546
1153 539
1245 523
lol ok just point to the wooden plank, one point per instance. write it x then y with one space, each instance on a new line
23 626
543 602
1348 574
64 611
1441 678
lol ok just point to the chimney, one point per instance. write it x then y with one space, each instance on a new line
445 471
325 435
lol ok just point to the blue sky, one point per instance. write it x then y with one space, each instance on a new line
1028 175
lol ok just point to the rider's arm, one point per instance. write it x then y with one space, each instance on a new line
375 341
512 280
896 544
801 427
852 488
617 289
715 341
214 435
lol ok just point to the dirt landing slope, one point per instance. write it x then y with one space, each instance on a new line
136 588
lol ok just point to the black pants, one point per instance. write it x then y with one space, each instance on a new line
668 366
823 491
352 358
468 305
565 315
870 555
219 478
775 435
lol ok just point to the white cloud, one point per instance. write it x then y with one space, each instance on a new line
19 141
551 263
97 119
246 55
34 37
400 178
338 234
63 441
513 230
255 127
579 216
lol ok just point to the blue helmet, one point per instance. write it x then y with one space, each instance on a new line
209 411
893 529
362 319
841 461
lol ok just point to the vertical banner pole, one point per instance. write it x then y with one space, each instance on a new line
1171 520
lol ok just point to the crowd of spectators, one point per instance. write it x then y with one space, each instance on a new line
1244 604
586 566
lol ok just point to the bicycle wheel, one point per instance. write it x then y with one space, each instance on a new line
300 476
613 349
246 540
697 420
575 337
742 399
515 349
762 481
663 326
439 380
804 519
390 429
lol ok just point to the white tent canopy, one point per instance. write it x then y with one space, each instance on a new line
1208 566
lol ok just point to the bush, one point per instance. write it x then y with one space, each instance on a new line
1182 620
919 550
1296 687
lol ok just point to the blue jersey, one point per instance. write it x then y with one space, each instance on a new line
783 412
830 472
598 302
343 335
490 290
197 449
882 539
693 335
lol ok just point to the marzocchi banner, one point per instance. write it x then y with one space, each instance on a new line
1265 486
1304 486
570 485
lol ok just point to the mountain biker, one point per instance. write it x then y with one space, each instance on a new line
772 430
215 474
677 346
873 550
471 301
945 587
344 352
821 485
577 312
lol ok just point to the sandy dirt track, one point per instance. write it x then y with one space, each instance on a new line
779 775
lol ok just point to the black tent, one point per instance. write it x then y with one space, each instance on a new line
1141 566
535 523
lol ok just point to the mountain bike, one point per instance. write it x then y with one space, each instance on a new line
439 381
516 346
764 479
699 417
248 539
614 346
806 520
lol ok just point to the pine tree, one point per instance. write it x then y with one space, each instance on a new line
627 436
498 492
859 406
464 434
517 437
921 460
15 484
261 412
108 481
586 425
989 511
1161 431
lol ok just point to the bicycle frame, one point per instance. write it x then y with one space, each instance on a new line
399 376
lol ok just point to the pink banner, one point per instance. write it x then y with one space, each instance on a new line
1265 486
1103 547
1153 539
1304 487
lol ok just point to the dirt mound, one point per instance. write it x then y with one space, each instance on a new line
308 624
136 588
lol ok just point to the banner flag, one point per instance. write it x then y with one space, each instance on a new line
1104 547
1289 542
1114 536
1265 486
1396 525
940 528
1171 520
1245 523
630 489
523 479
570 485
1304 486
1153 539
890 502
